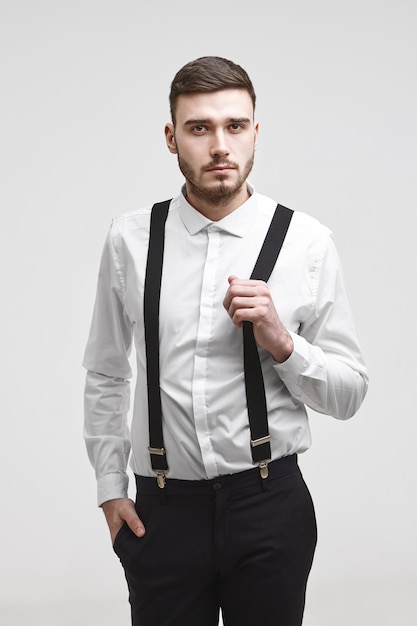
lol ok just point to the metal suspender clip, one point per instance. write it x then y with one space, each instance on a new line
263 469
258 442
160 479
263 465
160 474
157 451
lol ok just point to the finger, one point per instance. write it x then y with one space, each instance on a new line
245 315
243 302
134 522
227 298
250 282
120 511
247 289
240 307
235 304
242 288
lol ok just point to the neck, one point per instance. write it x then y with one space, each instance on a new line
216 208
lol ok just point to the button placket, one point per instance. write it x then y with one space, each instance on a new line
204 336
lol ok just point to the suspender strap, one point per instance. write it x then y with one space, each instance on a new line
254 383
255 390
152 291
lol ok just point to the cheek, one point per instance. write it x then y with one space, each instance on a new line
195 154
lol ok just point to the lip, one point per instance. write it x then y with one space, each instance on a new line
220 169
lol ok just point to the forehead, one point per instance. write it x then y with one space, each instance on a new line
214 105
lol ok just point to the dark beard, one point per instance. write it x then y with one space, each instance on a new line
220 194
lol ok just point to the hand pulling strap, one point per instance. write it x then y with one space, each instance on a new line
151 297
254 382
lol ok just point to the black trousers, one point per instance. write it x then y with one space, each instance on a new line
240 543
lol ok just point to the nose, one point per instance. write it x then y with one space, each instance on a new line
219 145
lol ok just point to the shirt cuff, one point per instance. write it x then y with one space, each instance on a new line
111 487
305 360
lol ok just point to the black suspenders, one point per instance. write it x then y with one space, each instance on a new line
254 384
152 292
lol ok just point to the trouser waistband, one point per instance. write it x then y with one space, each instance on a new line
276 469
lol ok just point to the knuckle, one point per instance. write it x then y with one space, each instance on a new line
237 317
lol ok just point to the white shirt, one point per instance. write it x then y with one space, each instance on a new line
206 428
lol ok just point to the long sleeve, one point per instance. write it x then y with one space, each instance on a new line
326 370
107 388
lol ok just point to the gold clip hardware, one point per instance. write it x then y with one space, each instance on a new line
259 442
160 479
158 451
263 468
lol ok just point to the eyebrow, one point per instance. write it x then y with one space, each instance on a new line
202 122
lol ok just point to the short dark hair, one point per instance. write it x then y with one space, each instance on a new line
207 74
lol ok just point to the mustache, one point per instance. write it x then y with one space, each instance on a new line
220 163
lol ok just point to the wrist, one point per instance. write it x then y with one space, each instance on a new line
285 349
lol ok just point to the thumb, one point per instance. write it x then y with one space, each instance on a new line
134 522
232 278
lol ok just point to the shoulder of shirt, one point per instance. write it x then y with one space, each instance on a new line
132 220
301 221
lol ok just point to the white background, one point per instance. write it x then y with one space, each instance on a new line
84 99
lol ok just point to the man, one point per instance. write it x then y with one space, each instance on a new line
210 528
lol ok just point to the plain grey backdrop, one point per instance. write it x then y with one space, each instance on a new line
84 100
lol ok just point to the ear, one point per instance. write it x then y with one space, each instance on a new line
256 133
170 138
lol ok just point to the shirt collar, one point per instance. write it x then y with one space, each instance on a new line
236 223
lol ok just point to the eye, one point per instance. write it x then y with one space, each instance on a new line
199 129
236 127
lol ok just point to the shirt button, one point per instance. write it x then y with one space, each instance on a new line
217 486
